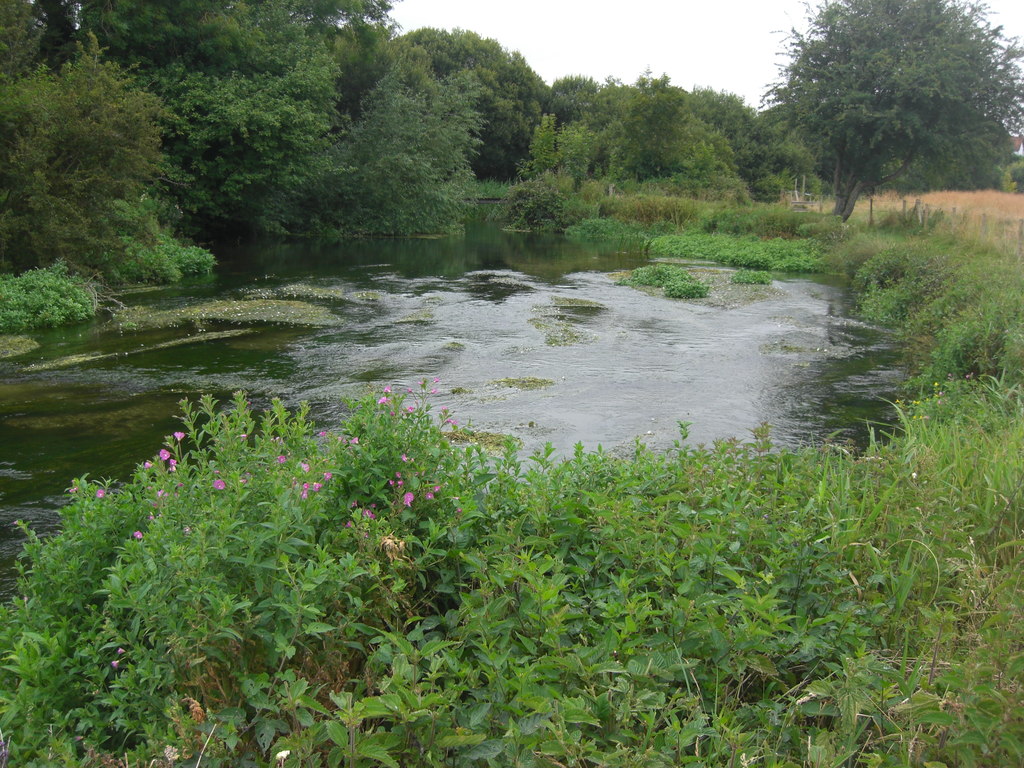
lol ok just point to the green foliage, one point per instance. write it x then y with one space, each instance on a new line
43 298
243 139
660 138
19 39
540 204
763 221
751 277
776 255
164 260
402 169
375 595
73 147
879 85
508 94
651 209
677 282
608 230
543 149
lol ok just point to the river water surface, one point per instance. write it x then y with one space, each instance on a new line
472 311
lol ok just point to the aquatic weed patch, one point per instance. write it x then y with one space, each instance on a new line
750 252
249 311
676 282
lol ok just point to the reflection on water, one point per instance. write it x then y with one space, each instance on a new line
469 310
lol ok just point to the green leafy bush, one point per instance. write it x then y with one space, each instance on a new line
165 260
750 252
763 221
751 277
539 204
43 298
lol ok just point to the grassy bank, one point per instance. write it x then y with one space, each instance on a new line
263 592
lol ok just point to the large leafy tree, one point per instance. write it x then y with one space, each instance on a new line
510 93
882 84
76 148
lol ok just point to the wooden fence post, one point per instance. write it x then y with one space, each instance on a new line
871 211
1020 240
904 209
919 211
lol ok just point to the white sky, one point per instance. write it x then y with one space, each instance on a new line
729 45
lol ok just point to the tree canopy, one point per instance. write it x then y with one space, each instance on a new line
879 85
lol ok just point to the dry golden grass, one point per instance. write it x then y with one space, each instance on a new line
988 216
992 203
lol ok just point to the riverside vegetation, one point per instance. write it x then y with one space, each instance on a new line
265 592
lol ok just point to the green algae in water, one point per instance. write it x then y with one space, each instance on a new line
558 333
461 391
297 291
11 346
91 357
425 315
493 442
368 295
527 382
572 302
228 311
455 345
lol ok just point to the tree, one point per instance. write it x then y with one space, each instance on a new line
509 98
75 149
403 167
881 84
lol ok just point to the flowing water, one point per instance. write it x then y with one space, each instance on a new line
472 311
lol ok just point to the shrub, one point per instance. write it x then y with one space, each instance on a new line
43 298
165 260
538 204
751 277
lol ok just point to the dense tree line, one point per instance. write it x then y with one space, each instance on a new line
122 121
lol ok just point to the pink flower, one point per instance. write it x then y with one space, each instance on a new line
282 459
219 484
354 441
430 495
147 464
437 380
322 433
328 475
243 437
172 465
367 513
137 534
115 663
404 457
160 493
383 400
179 435
305 466
120 651
164 454
410 408
317 486
388 389
407 499
100 493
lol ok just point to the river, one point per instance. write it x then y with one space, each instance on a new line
477 312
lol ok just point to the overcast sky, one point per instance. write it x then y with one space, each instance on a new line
728 45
